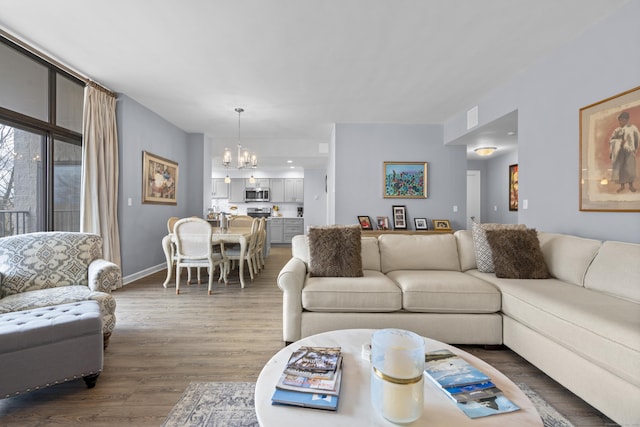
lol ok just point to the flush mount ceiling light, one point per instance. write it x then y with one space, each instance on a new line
244 159
485 151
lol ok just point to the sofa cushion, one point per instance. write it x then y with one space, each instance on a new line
466 251
516 254
413 252
63 295
373 292
616 271
484 258
437 291
568 257
335 251
596 326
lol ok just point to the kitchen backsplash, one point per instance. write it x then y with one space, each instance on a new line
289 210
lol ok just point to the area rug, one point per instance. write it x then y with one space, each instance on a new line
231 404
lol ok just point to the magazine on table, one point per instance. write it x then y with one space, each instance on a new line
471 390
315 359
311 384
306 400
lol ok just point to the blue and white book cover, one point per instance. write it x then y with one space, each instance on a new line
485 407
307 400
450 370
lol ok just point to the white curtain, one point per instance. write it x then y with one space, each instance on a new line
99 204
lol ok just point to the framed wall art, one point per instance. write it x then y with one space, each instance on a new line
421 223
405 180
159 180
610 154
365 222
513 187
400 217
441 224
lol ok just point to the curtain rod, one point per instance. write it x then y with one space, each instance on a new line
55 63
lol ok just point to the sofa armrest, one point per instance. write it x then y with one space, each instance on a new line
104 276
291 280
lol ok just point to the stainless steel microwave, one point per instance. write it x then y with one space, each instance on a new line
256 194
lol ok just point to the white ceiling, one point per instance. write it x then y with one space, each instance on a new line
298 66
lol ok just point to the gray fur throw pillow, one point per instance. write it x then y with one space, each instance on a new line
335 251
517 254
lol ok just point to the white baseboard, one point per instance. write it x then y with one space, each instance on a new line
144 273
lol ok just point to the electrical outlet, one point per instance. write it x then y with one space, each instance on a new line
525 204
455 208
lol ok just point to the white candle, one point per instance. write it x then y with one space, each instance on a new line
397 383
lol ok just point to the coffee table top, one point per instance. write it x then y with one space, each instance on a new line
355 409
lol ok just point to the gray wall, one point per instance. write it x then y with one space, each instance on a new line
360 152
142 226
548 97
315 198
494 182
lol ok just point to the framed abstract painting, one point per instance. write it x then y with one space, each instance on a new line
405 180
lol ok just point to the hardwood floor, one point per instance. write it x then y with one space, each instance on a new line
163 341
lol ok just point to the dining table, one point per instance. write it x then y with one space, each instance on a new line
237 235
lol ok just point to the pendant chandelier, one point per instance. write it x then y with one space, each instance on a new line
245 160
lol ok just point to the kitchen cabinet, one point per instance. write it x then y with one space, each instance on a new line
277 190
277 230
292 227
259 183
283 229
294 190
219 189
236 191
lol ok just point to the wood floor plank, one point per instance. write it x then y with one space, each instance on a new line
163 341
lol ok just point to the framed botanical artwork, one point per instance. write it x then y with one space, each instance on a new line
399 217
513 187
365 222
610 154
421 223
159 180
441 224
383 222
405 180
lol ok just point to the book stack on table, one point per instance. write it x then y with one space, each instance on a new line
468 387
311 378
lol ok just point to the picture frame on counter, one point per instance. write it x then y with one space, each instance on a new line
365 222
421 223
383 222
399 217
441 224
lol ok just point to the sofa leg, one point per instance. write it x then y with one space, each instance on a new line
90 380
105 338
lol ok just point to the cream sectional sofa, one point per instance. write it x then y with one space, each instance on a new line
581 326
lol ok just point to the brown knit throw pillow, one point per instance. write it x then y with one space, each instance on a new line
517 254
335 251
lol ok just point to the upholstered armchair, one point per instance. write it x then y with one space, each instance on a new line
51 268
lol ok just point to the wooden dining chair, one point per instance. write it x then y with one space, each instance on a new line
233 253
194 249
258 257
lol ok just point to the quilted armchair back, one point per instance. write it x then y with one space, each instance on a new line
46 260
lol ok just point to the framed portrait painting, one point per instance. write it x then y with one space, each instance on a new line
610 154
513 187
405 180
159 180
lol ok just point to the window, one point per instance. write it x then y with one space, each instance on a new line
40 144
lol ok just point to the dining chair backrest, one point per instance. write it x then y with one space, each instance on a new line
241 221
193 238
171 222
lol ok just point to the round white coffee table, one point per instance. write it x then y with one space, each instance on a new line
354 407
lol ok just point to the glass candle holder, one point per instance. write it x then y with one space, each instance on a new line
397 382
